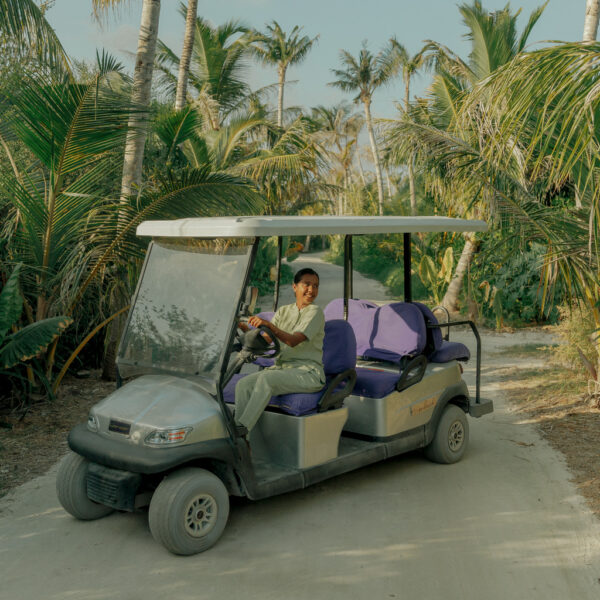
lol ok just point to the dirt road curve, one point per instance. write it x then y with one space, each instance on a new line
505 523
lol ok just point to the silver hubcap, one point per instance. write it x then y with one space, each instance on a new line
201 515
456 436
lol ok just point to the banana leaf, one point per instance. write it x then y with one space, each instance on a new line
31 340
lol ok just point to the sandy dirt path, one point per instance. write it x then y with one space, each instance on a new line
505 522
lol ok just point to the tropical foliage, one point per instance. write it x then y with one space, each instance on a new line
504 134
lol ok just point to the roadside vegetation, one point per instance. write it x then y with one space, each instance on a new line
88 151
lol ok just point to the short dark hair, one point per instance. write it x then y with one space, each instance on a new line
298 276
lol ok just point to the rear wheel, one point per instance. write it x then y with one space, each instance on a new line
71 489
189 511
451 436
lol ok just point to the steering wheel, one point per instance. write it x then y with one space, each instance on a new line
254 343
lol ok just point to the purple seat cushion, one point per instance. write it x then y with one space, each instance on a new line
264 362
293 404
398 330
373 383
450 351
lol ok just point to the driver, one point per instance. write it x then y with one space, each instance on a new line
299 366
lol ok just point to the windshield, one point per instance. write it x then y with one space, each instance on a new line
184 307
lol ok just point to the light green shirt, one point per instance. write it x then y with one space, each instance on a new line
309 321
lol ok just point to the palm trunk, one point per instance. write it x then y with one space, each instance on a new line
186 54
411 167
411 185
281 71
388 180
590 27
450 299
142 83
367 105
360 170
134 146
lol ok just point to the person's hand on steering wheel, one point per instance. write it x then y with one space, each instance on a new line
258 322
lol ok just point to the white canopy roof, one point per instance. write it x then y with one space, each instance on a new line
215 227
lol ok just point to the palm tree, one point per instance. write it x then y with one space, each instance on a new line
186 54
539 109
410 66
216 69
365 76
494 43
590 28
276 47
337 129
135 143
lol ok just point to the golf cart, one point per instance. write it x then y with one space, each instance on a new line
167 438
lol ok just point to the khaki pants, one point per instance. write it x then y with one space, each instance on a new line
253 392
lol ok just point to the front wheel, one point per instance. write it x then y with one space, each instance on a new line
451 436
189 511
71 489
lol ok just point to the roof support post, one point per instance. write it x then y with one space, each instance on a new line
407 268
348 283
278 267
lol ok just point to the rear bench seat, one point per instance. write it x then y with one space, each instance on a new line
395 333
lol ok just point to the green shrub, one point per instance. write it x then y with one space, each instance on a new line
576 331
509 289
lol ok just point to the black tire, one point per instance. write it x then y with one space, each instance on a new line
451 437
188 511
71 489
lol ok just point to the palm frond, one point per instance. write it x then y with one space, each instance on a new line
23 21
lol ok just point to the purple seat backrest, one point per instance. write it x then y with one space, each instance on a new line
335 309
360 316
398 330
434 336
339 347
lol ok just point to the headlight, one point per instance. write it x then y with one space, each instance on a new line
161 437
92 422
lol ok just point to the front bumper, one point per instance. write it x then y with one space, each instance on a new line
126 456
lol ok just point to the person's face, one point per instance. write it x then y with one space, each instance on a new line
306 290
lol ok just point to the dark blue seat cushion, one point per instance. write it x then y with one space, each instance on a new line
374 383
298 404
450 351
292 404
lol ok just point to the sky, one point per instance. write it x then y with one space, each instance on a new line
340 24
